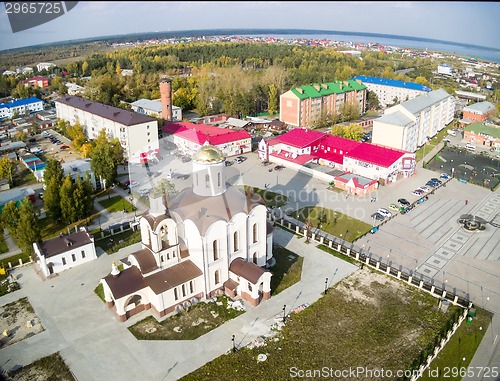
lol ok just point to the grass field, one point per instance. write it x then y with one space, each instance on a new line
117 204
287 271
51 367
271 199
427 148
332 222
367 320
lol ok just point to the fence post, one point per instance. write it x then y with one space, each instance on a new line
20 262
377 265
399 274
330 243
297 229
432 289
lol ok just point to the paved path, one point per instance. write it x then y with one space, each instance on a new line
97 347
13 249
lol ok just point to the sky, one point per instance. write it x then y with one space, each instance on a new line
465 22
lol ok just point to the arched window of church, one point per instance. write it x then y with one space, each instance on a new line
191 287
183 290
197 182
254 233
217 276
255 257
207 181
218 179
176 295
235 241
215 247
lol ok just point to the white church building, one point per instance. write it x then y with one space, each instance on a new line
209 239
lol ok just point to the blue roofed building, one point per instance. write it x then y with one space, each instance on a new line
388 90
20 107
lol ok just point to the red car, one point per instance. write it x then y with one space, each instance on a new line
64 147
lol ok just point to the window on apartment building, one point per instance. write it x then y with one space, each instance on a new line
83 254
64 261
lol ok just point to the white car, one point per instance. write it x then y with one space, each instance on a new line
384 212
424 188
470 147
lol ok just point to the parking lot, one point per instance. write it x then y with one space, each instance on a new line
53 150
482 169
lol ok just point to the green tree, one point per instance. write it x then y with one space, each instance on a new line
106 156
21 136
338 130
353 132
69 209
28 227
372 101
88 203
10 218
422 81
273 99
53 178
7 169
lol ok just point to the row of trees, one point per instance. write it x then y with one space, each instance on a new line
64 199
22 224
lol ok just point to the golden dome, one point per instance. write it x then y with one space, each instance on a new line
208 154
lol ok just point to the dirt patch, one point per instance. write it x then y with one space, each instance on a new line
18 321
51 368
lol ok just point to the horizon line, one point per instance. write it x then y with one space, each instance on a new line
248 31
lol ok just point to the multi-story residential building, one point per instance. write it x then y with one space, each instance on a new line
44 65
304 106
445 69
390 91
483 134
154 109
477 112
38 81
190 137
410 124
137 133
20 107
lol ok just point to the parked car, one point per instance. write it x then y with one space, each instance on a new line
444 176
229 162
424 188
238 160
64 147
431 183
133 184
470 147
384 212
266 163
446 141
404 201
436 180
417 192
378 216
394 207
279 167
40 195
185 159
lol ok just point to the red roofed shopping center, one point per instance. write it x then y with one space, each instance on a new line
326 157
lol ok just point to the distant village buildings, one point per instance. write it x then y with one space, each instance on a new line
20 107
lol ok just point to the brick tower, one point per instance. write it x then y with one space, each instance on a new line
166 98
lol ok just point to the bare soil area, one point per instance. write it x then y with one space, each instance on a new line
18 321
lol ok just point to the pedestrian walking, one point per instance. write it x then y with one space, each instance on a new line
466 202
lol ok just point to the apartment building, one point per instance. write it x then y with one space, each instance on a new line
410 124
304 106
137 133
390 91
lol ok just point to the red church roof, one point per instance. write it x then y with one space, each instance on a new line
200 133
370 153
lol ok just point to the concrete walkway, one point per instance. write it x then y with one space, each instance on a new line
13 249
97 347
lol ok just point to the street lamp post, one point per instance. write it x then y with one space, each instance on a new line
326 285
284 314
234 345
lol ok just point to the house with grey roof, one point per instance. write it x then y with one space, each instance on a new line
64 252
154 109
477 112
411 124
